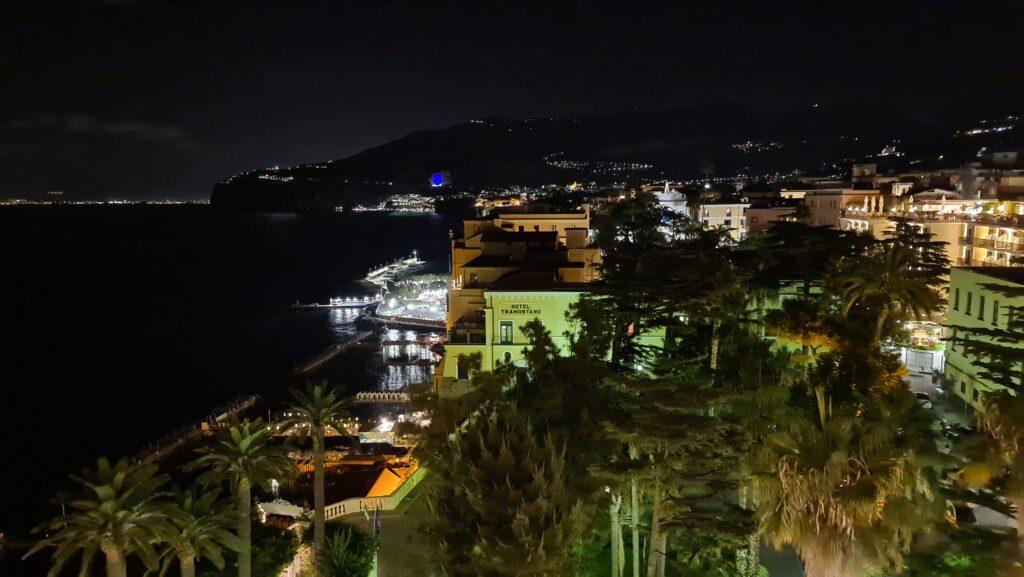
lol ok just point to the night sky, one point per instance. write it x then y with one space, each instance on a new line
151 99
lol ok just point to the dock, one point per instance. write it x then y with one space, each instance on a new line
381 276
327 354
340 303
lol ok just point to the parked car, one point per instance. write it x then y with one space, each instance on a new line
924 399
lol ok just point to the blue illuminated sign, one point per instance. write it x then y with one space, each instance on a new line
439 179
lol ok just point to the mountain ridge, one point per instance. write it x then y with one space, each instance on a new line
629 146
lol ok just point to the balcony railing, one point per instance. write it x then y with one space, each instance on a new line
460 336
1007 220
991 243
980 262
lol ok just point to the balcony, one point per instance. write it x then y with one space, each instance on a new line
467 337
1007 220
994 244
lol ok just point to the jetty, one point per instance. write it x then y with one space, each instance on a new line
341 303
327 354
391 272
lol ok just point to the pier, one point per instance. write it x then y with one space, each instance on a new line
341 303
327 354
381 276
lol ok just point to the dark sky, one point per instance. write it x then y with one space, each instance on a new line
152 99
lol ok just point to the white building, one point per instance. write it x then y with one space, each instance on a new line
728 215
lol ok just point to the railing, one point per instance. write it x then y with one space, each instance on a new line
382 397
977 262
388 503
467 338
1008 220
983 242
461 324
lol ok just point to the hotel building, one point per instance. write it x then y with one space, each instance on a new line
978 232
505 272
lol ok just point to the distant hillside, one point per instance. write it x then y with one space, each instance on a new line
633 146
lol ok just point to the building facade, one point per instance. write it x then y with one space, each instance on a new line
505 272
976 232
726 215
826 207
972 304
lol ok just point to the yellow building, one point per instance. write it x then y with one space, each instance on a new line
505 272
976 232
727 215
973 304
826 206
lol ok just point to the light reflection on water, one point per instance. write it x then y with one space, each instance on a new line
341 321
406 362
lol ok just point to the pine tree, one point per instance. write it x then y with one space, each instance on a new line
930 255
687 460
504 507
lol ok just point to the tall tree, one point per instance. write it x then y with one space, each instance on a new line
244 455
312 412
202 525
656 267
794 252
850 496
889 285
503 507
115 512
931 258
687 458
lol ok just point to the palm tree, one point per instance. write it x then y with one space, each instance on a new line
890 283
202 522
244 456
850 497
314 410
116 513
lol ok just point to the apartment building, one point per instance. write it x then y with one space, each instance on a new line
973 304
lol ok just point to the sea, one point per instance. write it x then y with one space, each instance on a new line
120 324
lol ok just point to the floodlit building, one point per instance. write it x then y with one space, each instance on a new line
977 232
826 206
507 271
727 215
975 305
669 196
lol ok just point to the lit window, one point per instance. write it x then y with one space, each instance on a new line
505 332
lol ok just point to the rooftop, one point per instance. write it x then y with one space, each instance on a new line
532 280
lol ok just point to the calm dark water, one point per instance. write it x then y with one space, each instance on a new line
120 324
